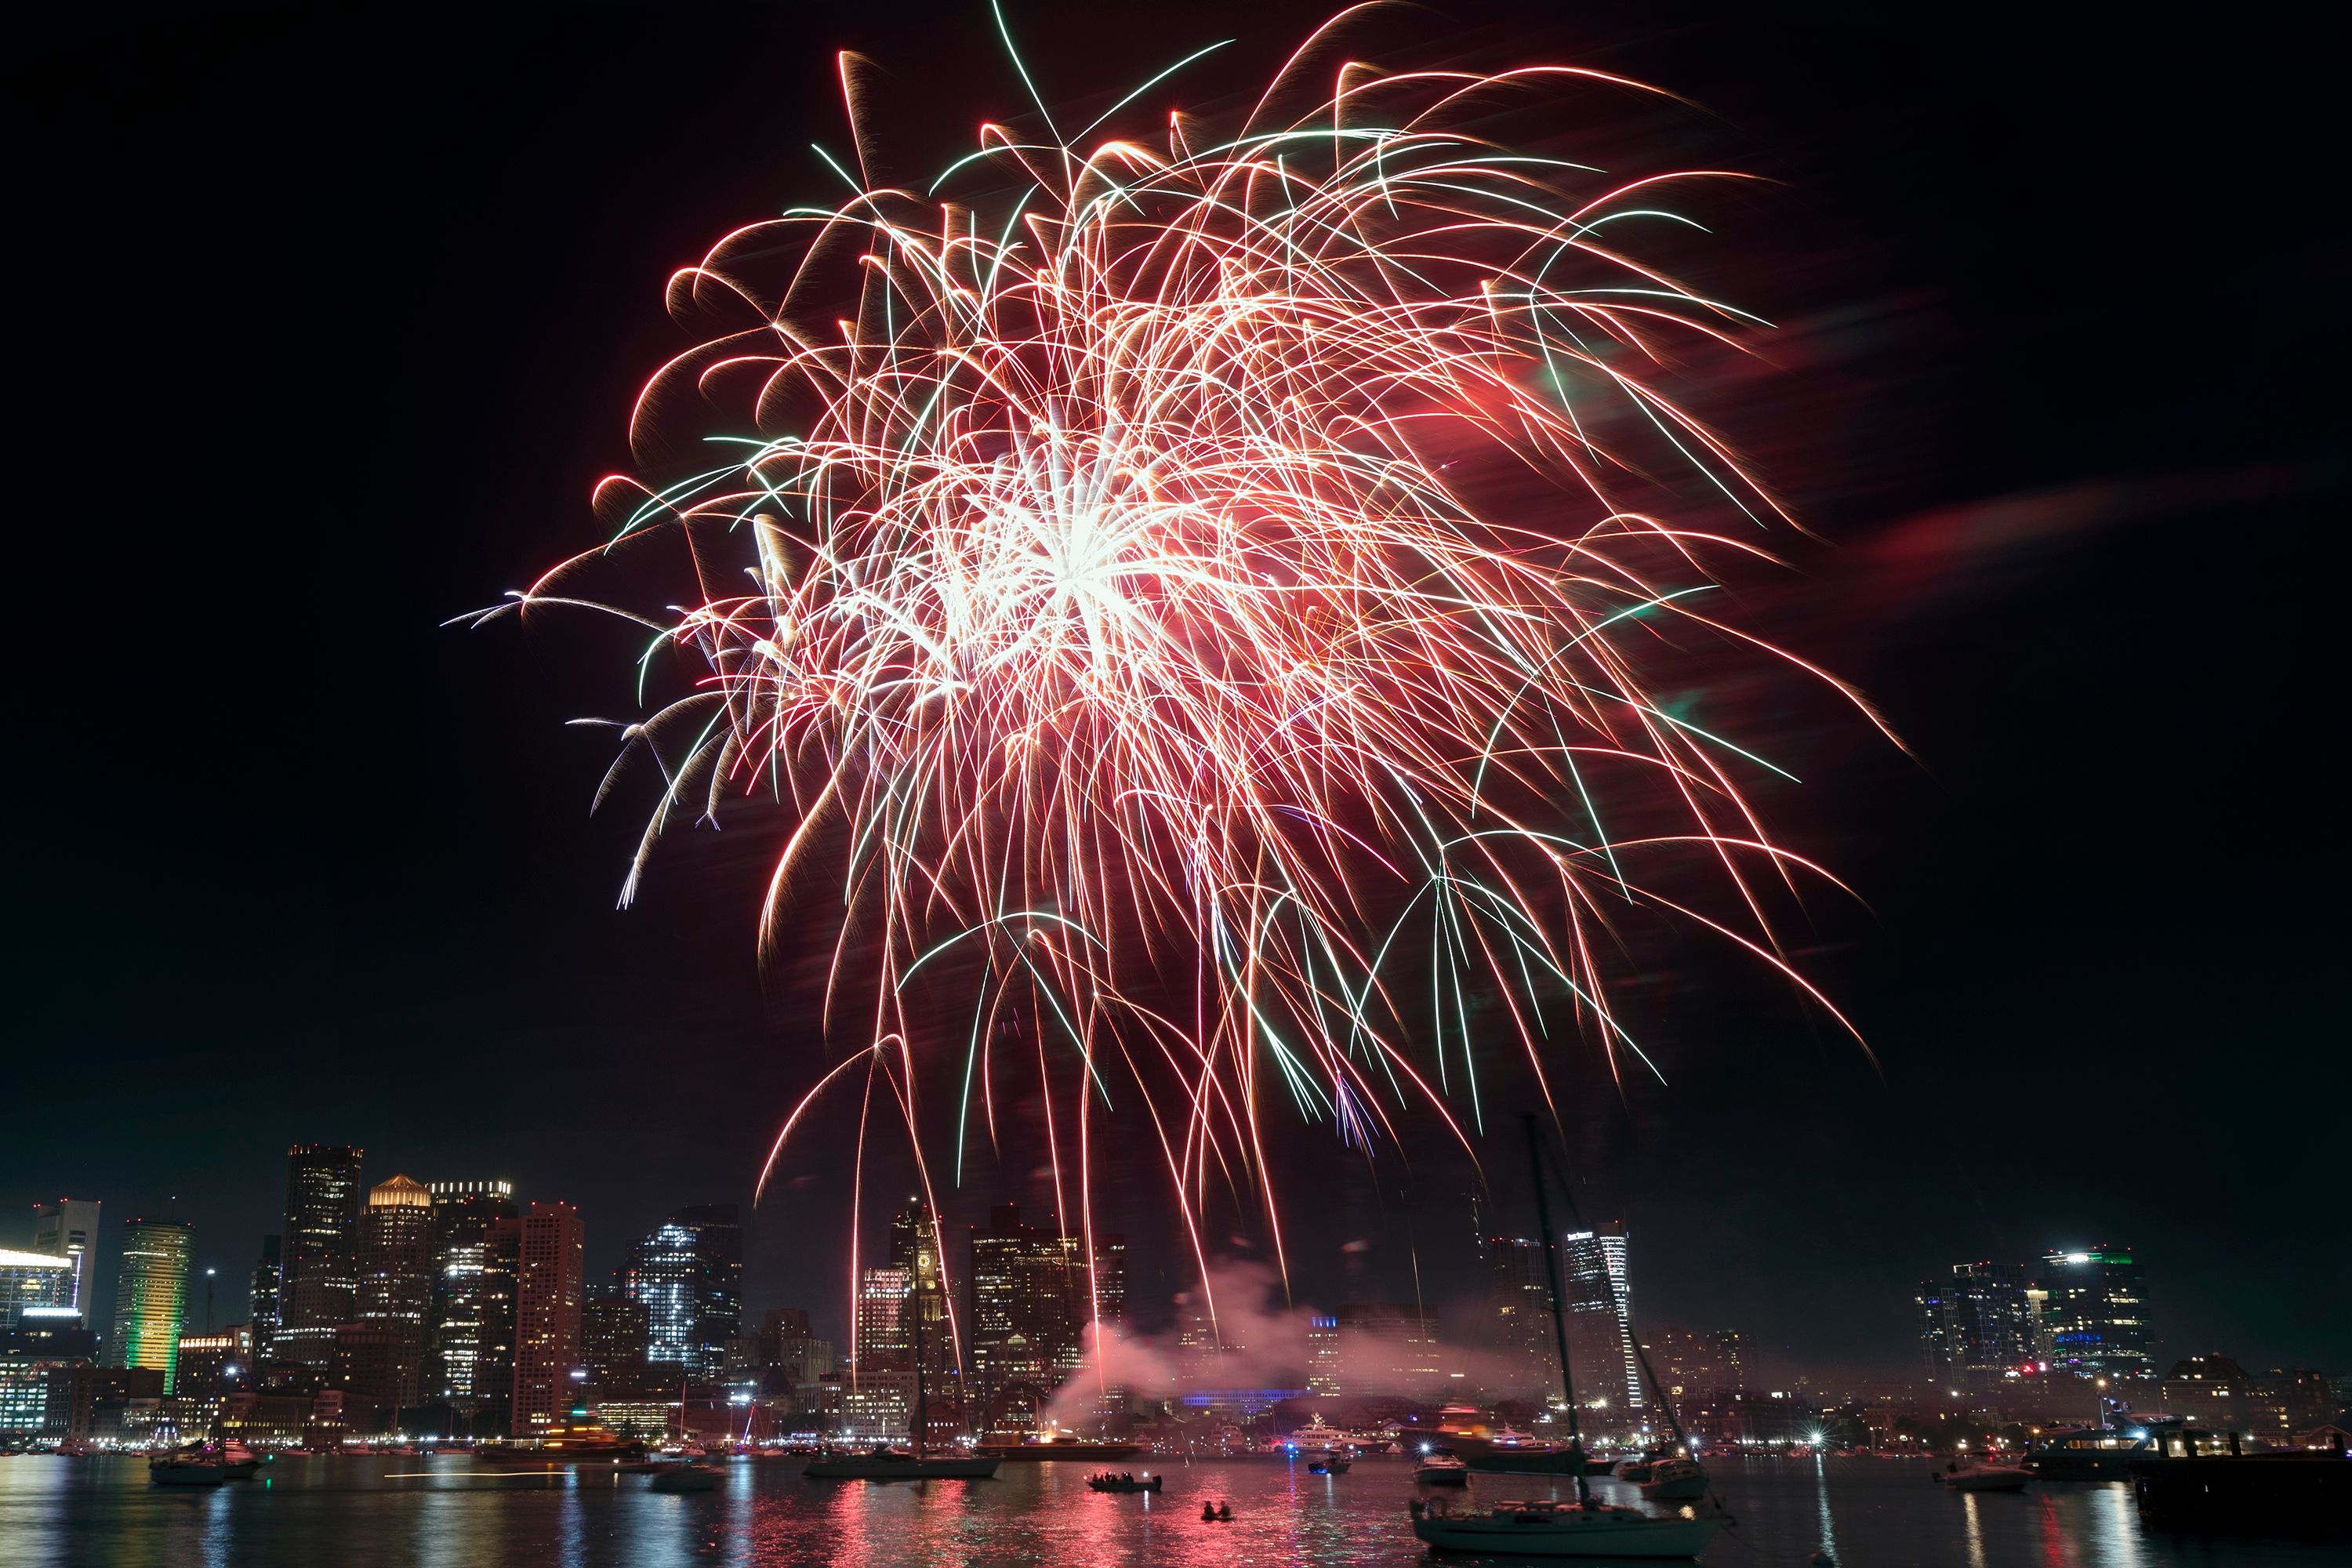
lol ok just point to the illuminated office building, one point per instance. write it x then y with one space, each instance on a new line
37 1283
499 1298
68 1228
1977 1326
1521 1291
463 1304
915 1248
319 1288
1388 1350
1031 1299
2094 1313
878 1404
265 1297
688 1274
548 1293
150 1296
396 1282
1598 1294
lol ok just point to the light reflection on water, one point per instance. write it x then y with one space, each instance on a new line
453 1513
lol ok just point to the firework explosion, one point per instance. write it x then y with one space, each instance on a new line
1104 564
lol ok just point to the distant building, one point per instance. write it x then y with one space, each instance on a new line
548 1298
2210 1390
661 1275
915 1248
466 1311
1388 1350
40 1283
878 1402
320 1271
265 1301
500 1286
718 1284
1528 1357
1323 1375
1979 1327
150 1296
612 1337
2095 1315
395 1279
212 1364
1597 1283
1031 1297
68 1228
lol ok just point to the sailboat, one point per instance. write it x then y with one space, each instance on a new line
1543 1528
885 1463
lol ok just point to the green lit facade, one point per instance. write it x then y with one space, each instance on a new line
150 1296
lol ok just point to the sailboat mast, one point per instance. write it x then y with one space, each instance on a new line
915 1310
1551 1267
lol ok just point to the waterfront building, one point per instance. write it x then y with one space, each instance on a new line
1031 1299
878 1404
396 1279
69 1229
24 1396
1597 1286
1524 1341
150 1296
660 1275
788 1344
2211 1390
212 1364
1388 1351
718 1282
265 1300
2095 1314
462 1215
1323 1377
612 1337
38 1283
497 1290
550 1248
1980 1327
319 1285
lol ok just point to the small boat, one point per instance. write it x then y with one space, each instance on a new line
1636 1470
1982 1477
1674 1480
1541 1528
687 1478
888 1464
180 1470
1329 1465
1106 1482
1442 1468
239 1461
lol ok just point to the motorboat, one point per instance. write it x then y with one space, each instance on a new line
1674 1480
690 1476
187 1470
883 1463
1442 1468
1983 1476
1542 1528
1104 1481
1334 1463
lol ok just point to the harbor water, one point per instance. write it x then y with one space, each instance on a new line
394 1511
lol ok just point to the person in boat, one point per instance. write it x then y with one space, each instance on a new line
1208 1512
1576 1468
1224 1513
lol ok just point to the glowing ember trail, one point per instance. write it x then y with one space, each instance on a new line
1109 567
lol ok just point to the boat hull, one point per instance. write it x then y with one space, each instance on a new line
187 1475
1988 1480
1040 1453
1508 1462
692 1478
1684 1488
1572 1534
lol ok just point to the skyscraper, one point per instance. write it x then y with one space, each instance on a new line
2095 1313
879 1402
150 1296
612 1337
1977 1326
1598 1293
718 1232
1389 1350
266 1281
321 1272
548 1294
463 1213
395 1281
915 1248
499 1292
1031 1299
1521 1290
688 1273
35 1284
68 1228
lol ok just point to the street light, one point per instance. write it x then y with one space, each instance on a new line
2102 1384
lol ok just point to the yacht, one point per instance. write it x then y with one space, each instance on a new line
187 1470
885 1463
1983 1476
1542 1528
1442 1468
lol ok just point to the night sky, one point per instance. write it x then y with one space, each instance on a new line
326 324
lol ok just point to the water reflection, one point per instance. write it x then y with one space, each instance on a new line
57 1513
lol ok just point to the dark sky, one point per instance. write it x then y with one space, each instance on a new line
328 323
